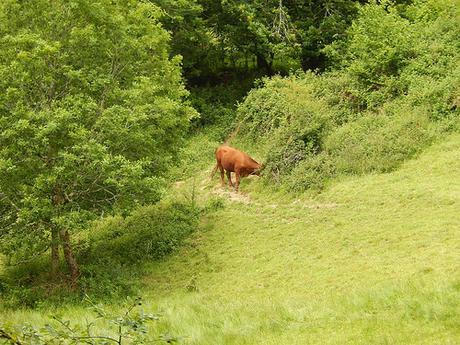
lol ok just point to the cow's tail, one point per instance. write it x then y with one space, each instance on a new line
213 171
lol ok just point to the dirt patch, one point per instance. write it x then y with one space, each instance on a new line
231 195
178 184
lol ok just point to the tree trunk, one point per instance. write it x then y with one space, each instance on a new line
68 255
54 253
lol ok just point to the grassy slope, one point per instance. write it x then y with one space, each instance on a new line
374 259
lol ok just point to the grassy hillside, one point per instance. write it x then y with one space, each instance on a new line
373 259
350 236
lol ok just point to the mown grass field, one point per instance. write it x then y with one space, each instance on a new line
372 260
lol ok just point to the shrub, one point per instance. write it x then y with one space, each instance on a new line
311 173
377 142
287 119
112 253
116 248
278 102
149 233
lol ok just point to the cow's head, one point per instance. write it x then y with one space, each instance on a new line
257 171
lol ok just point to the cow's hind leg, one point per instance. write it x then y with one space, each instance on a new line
229 177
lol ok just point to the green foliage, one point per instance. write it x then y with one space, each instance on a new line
112 252
92 113
115 245
312 173
217 104
189 35
149 233
285 106
395 87
266 36
285 117
379 46
388 54
377 142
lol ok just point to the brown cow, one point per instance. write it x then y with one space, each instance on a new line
233 160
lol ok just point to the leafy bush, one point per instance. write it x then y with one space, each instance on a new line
377 143
115 245
311 173
285 117
112 253
149 233
277 103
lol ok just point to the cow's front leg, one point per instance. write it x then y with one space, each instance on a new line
229 177
222 182
237 178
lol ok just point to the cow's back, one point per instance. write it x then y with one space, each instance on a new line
228 157
231 158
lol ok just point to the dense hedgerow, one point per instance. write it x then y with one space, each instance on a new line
394 86
285 114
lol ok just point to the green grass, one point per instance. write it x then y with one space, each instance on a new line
373 260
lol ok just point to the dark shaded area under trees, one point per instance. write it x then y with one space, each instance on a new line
220 40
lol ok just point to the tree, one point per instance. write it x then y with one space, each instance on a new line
251 30
189 35
92 112
265 31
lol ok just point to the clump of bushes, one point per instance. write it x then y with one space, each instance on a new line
286 118
149 233
400 51
283 102
122 245
111 254
377 142
394 87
